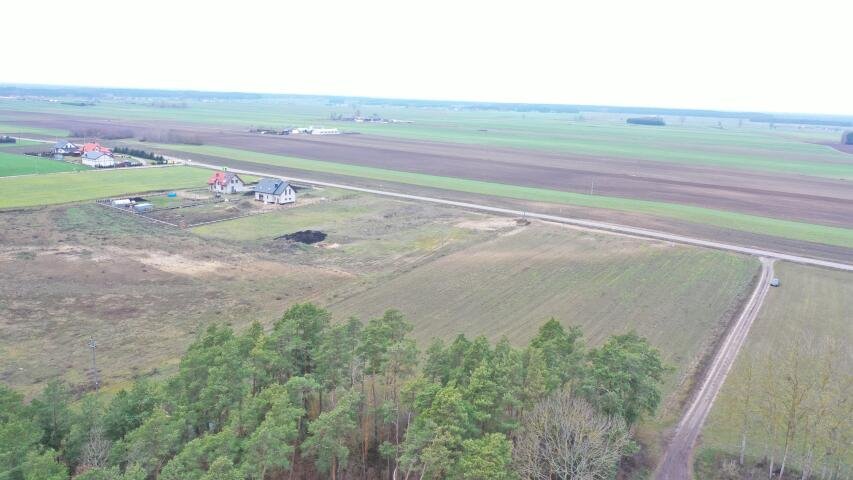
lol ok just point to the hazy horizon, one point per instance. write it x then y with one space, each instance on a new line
723 55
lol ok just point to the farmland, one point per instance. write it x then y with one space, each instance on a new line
676 296
14 164
17 129
379 254
150 288
781 188
809 316
76 186
750 223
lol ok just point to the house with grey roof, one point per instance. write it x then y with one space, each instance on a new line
98 159
274 190
64 147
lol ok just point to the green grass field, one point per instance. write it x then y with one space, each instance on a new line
813 307
737 221
21 143
14 164
76 186
11 129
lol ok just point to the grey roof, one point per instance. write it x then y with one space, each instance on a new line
271 186
63 144
93 155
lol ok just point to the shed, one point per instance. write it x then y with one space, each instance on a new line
274 190
323 131
143 207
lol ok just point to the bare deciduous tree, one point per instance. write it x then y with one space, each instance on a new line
564 437
96 450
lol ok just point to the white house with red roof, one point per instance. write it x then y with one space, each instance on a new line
226 182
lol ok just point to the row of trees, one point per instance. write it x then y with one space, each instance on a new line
135 152
172 136
792 403
312 399
104 133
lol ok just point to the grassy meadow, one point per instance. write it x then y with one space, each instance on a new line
88 185
15 129
14 164
738 221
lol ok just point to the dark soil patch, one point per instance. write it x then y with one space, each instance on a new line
305 236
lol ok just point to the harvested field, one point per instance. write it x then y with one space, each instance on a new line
678 297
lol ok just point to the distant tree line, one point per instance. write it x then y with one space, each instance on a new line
106 134
172 136
79 104
646 121
313 399
158 159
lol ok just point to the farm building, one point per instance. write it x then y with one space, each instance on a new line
98 159
323 131
847 138
226 182
64 147
274 190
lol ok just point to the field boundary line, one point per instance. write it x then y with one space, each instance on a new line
134 214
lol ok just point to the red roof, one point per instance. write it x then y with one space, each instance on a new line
218 178
96 147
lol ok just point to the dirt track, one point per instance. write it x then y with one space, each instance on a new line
677 461
792 197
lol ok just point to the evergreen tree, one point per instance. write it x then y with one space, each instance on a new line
43 466
270 447
486 458
624 377
330 436
51 411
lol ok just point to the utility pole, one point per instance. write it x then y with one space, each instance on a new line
93 345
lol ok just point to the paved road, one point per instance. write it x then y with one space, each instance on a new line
591 224
677 462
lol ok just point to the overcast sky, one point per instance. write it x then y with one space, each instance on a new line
782 55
